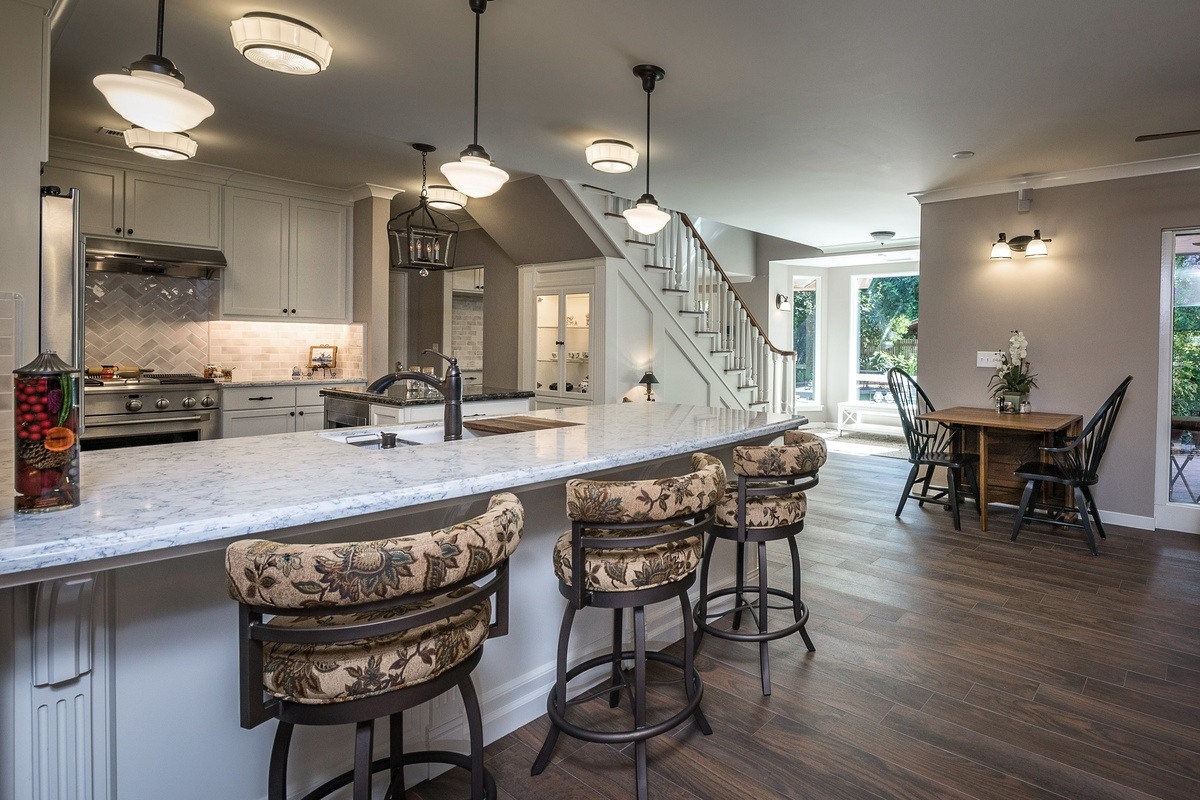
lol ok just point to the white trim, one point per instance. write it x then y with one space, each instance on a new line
1138 521
365 190
1048 180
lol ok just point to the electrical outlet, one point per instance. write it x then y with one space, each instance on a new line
988 358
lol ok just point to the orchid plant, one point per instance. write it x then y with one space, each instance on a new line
1013 376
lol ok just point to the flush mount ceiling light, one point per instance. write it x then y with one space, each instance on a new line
611 155
474 174
156 144
646 217
150 92
281 43
446 198
427 240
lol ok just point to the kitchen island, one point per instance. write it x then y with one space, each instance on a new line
119 665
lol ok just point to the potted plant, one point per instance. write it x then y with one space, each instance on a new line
1013 379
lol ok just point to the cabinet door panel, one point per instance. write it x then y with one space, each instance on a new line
318 258
386 415
256 245
175 210
257 422
310 418
101 195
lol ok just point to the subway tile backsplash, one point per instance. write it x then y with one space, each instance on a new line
169 324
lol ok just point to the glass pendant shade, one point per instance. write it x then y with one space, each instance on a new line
153 101
281 43
1001 250
167 146
474 176
446 198
611 155
646 217
1036 247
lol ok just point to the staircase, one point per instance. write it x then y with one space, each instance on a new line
679 266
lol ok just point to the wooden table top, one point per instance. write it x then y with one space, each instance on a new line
1034 421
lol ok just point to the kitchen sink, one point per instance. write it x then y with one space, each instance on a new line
371 438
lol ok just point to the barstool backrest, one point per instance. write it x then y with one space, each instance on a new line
656 500
802 453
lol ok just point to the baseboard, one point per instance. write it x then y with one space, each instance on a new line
1128 520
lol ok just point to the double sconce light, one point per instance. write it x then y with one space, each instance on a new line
1032 246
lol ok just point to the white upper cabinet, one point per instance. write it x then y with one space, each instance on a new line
129 204
287 258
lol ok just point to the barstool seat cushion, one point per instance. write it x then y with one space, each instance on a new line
351 670
801 453
629 569
768 511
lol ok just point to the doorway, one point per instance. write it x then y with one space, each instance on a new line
1177 485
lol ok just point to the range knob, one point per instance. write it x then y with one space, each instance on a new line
133 405
207 401
162 403
189 401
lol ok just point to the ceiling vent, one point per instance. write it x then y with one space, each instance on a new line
111 132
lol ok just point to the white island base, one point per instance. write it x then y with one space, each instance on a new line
142 703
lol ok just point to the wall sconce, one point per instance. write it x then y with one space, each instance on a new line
1032 246
649 380
783 302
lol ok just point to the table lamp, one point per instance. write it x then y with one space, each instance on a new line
649 380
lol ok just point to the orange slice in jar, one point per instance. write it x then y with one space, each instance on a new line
57 440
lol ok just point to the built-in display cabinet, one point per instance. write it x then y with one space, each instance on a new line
288 258
562 338
147 206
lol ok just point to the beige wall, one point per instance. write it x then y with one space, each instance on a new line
1090 310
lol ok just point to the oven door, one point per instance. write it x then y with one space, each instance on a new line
108 431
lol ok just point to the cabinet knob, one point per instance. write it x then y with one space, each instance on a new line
293 311
560 344
129 231
291 413
301 413
118 230
285 311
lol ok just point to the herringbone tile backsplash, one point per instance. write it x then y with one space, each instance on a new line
170 325
147 320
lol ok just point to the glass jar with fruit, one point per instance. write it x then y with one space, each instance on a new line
46 417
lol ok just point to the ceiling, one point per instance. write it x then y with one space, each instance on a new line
807 121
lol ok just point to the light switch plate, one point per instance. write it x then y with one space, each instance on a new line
988 358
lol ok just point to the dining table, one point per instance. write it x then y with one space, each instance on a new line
1004 440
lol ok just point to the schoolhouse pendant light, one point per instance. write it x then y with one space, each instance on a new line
156 144
281 43
474 174
446 198
150 92
646 217
611 155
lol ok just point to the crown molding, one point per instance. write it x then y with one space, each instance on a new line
365 190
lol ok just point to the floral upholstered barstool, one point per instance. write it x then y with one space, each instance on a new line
631 544
766 504
351 632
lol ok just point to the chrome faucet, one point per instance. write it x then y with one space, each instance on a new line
450 386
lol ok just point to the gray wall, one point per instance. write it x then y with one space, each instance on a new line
1090 310
531 224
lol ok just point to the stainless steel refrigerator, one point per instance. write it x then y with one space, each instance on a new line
61 314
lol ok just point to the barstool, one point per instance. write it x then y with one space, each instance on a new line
363 630
631 544
767 504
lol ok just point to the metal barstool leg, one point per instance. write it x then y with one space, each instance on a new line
738 598
475 728
277 772
396 790
908 485
1026 496
690 679
614 697
639 698
764 657
702 603
559 698
364 739
797 603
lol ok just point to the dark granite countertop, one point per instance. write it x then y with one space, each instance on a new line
397 395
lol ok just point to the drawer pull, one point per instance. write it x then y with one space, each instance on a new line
260 398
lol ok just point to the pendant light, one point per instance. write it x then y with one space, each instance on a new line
423 239
646 217
446 198
474 174
150 92
280 43
167 146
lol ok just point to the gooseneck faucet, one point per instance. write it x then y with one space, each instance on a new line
450 385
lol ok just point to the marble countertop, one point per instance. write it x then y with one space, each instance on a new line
396 395
148 503
301 382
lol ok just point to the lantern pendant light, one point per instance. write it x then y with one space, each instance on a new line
646 217
150 92
474 174
423 239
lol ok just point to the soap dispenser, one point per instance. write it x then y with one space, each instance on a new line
295 373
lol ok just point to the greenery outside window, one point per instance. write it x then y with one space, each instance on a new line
885 310
804 338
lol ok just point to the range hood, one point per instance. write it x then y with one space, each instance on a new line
147 258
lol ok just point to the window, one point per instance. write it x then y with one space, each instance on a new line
885 309
1185 374
804 338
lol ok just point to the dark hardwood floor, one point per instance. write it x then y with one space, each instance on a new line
948 665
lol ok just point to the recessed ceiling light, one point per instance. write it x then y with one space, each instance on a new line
963 154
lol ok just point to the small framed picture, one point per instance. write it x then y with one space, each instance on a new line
323 356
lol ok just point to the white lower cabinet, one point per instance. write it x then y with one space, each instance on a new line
435 412
258 410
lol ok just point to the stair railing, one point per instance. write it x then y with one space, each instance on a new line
691 270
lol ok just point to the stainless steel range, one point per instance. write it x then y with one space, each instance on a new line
158 409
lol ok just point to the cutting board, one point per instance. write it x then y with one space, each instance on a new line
514 424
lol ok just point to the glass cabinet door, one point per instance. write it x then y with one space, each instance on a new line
563 346
549 344
577 366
